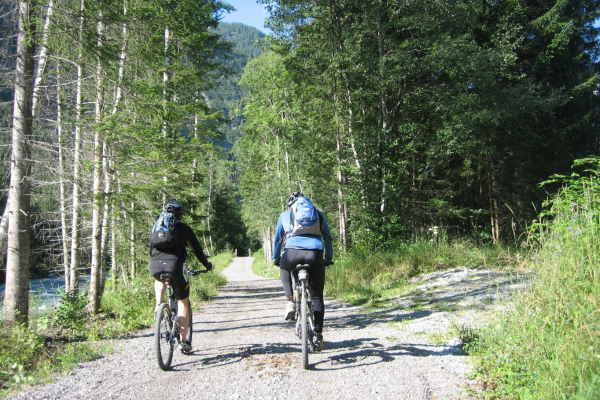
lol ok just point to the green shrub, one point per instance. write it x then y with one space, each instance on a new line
205 286
549 346
262 268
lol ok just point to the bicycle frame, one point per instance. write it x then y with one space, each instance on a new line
305 325
173 306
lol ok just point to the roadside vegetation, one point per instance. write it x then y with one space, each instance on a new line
370 278
57 340
548 347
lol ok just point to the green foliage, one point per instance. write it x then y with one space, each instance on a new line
26 356
204 287
549 346
414 113
262 268
127 308
70 313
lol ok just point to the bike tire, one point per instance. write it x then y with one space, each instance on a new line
163 340
190 329
304 324
312 347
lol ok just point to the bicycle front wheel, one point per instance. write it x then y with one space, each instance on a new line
163 339
304 324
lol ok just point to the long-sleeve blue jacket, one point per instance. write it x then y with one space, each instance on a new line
308 242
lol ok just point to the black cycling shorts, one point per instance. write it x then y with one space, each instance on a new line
292 257
181 287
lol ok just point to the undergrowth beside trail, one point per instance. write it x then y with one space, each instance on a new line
369 278
57 340
262 268
549 346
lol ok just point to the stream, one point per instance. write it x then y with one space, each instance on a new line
43 293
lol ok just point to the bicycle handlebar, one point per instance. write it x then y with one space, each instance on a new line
197 271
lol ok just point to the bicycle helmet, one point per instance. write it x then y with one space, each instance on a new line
293 197
175 207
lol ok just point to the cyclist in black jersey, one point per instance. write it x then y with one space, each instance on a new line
171 261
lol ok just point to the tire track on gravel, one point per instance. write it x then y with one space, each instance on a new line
244 349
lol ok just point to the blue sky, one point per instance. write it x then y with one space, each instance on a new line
248 12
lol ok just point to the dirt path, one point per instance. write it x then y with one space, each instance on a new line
244 349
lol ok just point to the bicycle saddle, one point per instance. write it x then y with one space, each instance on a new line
166 278
302 266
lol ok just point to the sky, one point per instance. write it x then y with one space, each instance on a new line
248 12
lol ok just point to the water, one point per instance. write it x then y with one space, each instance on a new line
43 293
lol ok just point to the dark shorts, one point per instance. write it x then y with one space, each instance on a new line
180 286
293 257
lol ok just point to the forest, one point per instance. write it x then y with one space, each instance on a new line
405 122
398 117
119 113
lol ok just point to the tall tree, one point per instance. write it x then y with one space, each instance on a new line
16 298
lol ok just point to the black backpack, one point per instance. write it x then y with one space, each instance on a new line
164 232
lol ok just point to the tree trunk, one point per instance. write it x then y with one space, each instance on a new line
108 219
267 244
75 223
210 182
61 180
340 184
36 88
105 216
96 263
16 295
42 59
132 245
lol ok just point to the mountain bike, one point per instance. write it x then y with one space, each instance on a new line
166 326
305 323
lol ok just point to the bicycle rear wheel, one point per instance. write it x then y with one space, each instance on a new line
163 340
304 324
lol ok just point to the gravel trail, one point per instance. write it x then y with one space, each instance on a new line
243 349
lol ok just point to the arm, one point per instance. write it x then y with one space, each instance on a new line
279 236
197 248
327 240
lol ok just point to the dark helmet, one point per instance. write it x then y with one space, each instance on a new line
175 207
293 197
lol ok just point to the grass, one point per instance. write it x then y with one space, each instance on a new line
57 340
549 346
262 268
370 279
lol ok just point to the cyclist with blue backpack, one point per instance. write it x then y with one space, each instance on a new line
302 236
168 240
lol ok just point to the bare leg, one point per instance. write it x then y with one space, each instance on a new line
182 316
159 291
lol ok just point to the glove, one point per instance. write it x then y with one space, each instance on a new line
209 266
276 263
328 263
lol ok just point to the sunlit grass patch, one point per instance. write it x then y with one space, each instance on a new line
548 347
264 268
371 279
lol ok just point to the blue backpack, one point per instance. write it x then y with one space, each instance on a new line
304 218
164 232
